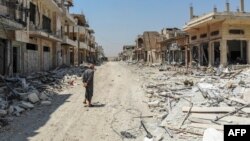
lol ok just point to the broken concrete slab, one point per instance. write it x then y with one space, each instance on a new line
212 134
11 110
246 95
43 96
33 98
3 104
150 91
205 126
154 103
213 109
26 105
18 109
2 89
46 103
3 112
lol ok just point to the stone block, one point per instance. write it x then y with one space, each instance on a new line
33 98
46 103
26 105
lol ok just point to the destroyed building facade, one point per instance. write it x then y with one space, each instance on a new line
213 39
39 35
219 38
147 45
128 53
173 46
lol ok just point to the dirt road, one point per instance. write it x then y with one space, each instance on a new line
118 98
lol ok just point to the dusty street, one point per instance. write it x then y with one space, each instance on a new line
118 98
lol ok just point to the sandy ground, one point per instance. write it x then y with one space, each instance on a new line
118 98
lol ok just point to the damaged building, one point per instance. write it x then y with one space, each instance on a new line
39 35
173 46
128 53
147 46
219 38
79 42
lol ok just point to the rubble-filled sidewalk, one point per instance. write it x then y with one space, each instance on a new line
23 93
195 104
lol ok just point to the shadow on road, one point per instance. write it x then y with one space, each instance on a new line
98 105
24 127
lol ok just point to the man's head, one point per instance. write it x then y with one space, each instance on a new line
92 66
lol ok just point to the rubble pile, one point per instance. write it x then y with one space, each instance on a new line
23 93
188 103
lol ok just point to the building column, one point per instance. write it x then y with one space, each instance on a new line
190 56
210 54
241 50
223 52
248 52
186 55
173 57
78 46
200 54
9 58
76 56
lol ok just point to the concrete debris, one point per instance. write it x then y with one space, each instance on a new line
11 110
3 112
43 96
212 134
246 95
33 98
26 105
216 95
154 104
21 93
46 102
18 109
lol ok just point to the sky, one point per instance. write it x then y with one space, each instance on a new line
118 22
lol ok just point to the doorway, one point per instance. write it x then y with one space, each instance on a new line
16 60
47 63
216 53
2 57
237 51
204 54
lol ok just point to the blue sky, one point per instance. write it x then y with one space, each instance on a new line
118 22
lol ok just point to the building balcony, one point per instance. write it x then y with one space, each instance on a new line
82 30
46 35
92 49
52 5
83 45
12 16
68 41
70 19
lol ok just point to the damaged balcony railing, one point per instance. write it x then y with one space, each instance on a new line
13 11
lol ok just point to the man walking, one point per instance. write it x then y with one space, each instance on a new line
88 83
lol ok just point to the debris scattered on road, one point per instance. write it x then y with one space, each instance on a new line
21 93
218 95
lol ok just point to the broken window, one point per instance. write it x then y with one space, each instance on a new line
46 24
193 37
140 42
215 33
203 35
33 13
236 31
31 47
46 49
